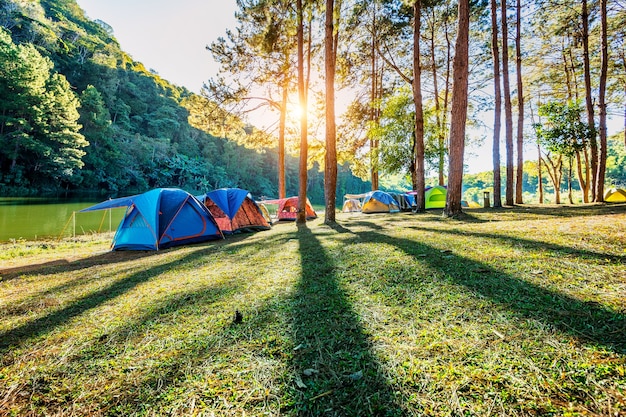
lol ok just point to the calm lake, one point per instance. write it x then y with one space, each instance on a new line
39 218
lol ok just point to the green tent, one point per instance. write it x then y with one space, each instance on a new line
436 197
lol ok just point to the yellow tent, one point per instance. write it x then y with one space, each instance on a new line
615 195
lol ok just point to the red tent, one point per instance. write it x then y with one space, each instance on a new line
288 208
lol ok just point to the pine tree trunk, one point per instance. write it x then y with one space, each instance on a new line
601 96
282 193
497 180
508 113
539 175
589 100
583 179
419 115
519 181
374 106
302 197
330 169
569 181
459 114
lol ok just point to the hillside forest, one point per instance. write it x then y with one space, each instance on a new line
79 114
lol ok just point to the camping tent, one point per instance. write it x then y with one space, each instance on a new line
351 205
404 201
615 195
234 210
159 219
265 212
379 202
288 208
435 197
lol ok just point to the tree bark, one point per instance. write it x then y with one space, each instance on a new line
459 114
519 181
330 168
569 181
419 184
282 193
555 173
375 105
539 174
602 98
302 192
583 177
497 180
508 113
593 144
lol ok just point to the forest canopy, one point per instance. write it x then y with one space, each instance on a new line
78 113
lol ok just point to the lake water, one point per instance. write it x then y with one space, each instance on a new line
39 218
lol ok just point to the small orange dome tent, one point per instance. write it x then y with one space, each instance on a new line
235 211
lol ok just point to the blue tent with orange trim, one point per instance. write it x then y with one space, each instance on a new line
159 219
234 210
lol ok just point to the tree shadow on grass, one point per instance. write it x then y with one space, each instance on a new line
334 356
160 383
588 322
144 379
475 215
64 265
526 244
20 334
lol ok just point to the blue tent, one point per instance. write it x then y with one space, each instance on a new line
379 202
234 210
159 219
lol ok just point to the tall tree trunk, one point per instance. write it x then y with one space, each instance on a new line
583 177
497 180
419 184
282 193
569 181
555 172
374 104
330 168
593 144
568 82
519 181
302 193
601 97
539 174
508 113
459 114
572 62
446 97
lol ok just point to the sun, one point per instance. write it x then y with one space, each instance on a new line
295 111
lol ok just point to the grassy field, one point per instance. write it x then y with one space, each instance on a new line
516 312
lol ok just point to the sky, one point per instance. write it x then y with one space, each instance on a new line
168 36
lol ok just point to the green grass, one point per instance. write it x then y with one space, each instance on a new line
518 312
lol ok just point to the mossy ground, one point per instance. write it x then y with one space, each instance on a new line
519 312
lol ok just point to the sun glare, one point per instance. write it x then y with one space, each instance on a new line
295 112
